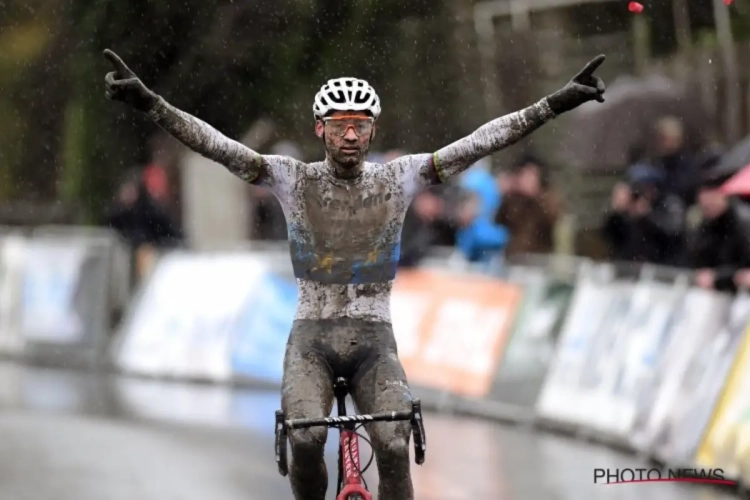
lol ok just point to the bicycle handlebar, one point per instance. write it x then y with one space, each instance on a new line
304 423
414 416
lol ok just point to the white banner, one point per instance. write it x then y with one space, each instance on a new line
624 355
702 315
701 387
726 443
561 398
51 276
11 266
181 325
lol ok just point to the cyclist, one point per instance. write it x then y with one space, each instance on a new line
344 219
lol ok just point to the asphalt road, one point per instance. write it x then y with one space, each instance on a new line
83 436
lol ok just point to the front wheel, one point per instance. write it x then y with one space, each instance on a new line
355 496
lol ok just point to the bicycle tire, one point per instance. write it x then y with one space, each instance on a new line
355 496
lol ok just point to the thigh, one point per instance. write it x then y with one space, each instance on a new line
307 383
380 385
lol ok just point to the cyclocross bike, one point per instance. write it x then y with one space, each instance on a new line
351 484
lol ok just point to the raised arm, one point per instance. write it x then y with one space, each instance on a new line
207 141
509 129
123 85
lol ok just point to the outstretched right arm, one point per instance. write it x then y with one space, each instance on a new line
207 141
123 85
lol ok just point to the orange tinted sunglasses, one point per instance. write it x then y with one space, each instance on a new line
340 124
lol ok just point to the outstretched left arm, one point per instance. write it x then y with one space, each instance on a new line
490 138
504 131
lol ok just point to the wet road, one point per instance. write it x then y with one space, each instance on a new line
78 436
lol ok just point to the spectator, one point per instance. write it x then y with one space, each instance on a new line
479 237
742 279
156 181
707 159
721 247
530 210
422 218
431 219
447 225
433 209
418 234
646 223
140 219
681 174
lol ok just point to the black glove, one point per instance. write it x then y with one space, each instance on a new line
582 88
123 85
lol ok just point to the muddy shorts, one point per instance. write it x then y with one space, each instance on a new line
363 352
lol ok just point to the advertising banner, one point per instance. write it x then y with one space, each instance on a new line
626 361
701 387
51 309
452 329
11 265
182 323
561 398
605 347
260 334
721 446
524 366
742 453
701 315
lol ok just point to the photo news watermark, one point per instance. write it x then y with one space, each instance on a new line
654 475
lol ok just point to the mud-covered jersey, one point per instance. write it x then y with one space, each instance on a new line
345 234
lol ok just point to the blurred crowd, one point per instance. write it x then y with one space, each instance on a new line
673 208
487 214
670 208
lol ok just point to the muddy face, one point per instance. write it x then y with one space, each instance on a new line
346 147
349 151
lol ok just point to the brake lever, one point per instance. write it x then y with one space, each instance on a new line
417 427
281 443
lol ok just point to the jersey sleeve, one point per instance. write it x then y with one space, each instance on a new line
279 173
206 140
416 172
490 138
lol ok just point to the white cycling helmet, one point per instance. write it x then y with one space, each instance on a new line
346 94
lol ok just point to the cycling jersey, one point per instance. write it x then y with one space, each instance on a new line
345 234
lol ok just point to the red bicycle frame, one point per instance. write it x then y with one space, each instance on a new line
350 482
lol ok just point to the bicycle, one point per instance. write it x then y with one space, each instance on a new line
351 484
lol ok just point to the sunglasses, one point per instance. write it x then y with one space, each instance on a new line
338 125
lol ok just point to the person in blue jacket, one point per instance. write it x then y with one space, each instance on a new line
481 238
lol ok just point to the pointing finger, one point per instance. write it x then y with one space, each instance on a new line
118 63
589 69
